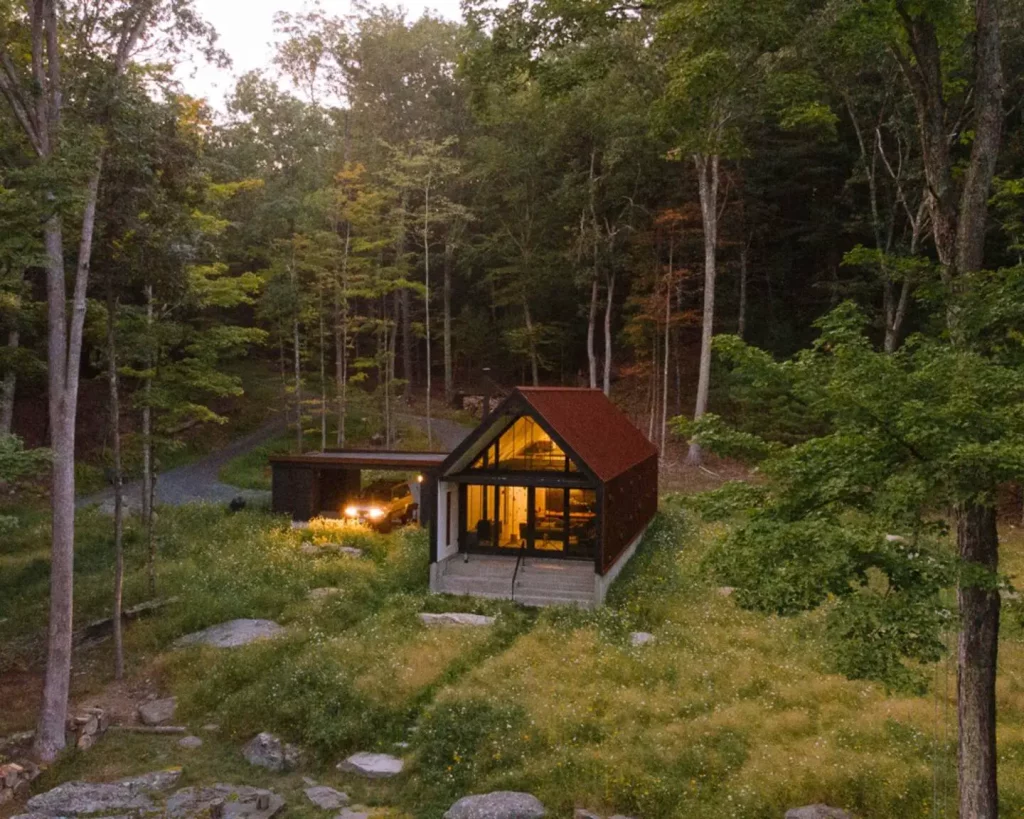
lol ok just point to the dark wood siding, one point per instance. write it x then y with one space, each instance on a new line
629 502
295 490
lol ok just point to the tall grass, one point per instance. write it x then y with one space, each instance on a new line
727 714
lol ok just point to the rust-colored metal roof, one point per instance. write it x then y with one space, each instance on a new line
593 427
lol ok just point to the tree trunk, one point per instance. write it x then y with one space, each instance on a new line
591 327
707 178
148 467
7 390
741 321
323 363
64 352
341 339
115 438
978 598
407 365
297 376
666 352
531 343
608 334
449 372
426 306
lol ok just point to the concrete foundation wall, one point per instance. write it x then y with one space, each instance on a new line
603 582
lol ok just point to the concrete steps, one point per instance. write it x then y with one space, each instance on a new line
539 581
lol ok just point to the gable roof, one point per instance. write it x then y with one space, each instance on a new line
596 430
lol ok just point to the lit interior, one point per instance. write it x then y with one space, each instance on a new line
524 447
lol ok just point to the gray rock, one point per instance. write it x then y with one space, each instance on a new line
267 751
372 766
190 743
817 812
326 798
309 549
232 633
155 712
324 593
455 618
726 591
640 638
132 794
211 727
227 801
349 813
581 813
350 551
497 805
310 782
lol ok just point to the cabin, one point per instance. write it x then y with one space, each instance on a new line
545 501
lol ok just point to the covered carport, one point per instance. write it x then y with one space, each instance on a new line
321 483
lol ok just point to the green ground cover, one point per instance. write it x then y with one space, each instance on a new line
727 714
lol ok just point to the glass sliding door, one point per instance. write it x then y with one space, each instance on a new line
549 519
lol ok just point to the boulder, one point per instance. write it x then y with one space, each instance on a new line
349 551
455 618
726 591
267 751
372 766
155 712
640 638
133 794
581 813
817 812
326 798
223 802
232 633
190 743
497 805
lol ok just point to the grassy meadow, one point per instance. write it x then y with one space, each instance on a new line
727 714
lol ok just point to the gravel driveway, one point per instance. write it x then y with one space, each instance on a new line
200 480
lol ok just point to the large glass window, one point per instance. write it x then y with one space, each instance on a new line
525 447
480 522
552 520
582 521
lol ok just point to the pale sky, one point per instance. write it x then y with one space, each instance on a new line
246 29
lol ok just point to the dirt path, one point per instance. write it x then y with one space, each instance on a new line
197 481
447 434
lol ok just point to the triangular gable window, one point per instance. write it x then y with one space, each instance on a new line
524 447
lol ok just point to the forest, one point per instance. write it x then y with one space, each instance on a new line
787 234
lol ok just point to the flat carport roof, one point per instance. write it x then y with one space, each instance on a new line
364 459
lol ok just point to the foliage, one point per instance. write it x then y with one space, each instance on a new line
852 517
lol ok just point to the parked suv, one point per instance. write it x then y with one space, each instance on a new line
382 505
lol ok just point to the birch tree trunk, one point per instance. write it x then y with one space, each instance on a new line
8 388
115 438
531 343
297 375
449 371
608 334
591 327
323 367
707 178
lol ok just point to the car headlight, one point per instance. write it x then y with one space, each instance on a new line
351 512
375 513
